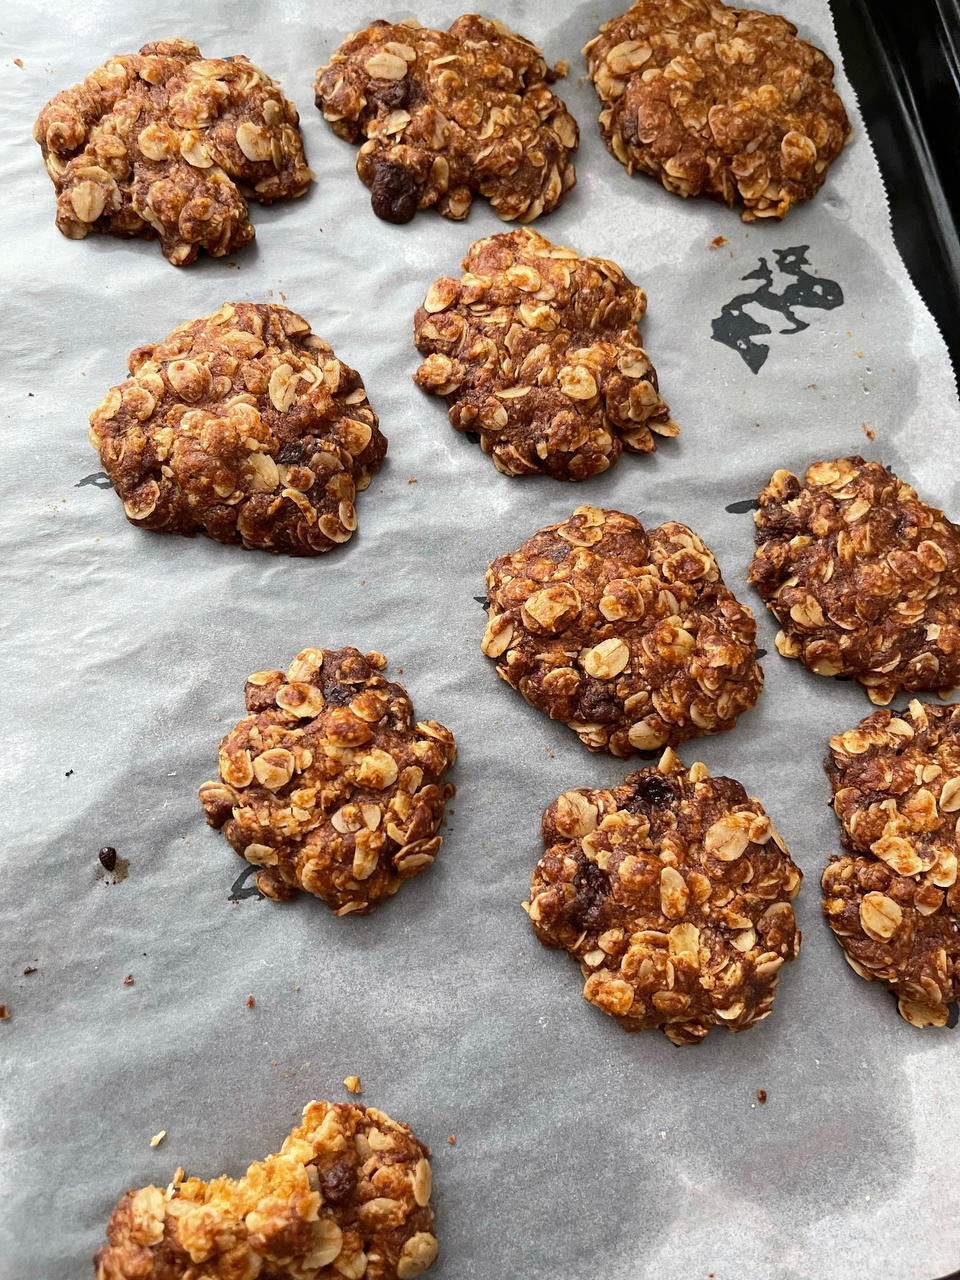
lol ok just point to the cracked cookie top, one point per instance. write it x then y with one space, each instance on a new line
862 576
242 425
717 101
629 637
447 115
347 1197
538 350
673 892
893 900
328 785
166 143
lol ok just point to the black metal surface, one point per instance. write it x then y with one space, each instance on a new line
904 63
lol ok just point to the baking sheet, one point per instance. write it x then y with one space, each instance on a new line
579 1150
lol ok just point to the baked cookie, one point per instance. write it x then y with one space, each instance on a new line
447 115
166 143
630 637
242 425
719 102
673 892
893 899
862 576
347 1195
328 785
538 350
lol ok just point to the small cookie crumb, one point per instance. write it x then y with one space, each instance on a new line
413 480
4 1013
251 1003
761 1095
871 435
718 242
158 1138
452 1139
29 969
353 1084
128 980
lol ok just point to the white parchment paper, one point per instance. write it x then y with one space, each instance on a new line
580 1151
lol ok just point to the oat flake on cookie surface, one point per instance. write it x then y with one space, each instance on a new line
329 785
244 426
447 115
538 351
347 1197
168 144
717 101
673 892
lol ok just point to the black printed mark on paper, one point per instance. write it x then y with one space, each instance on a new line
736 327
240 889
98 478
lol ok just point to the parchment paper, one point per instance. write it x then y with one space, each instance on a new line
580 1151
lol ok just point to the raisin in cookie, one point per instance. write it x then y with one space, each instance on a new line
893 899
720 102
347 1195
328 785
538 350
447 115
862 576
166 143
630 637
244 426
673 892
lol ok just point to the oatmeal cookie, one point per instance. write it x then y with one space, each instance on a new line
328 785
862 576
447 115
893 899
630 637
719 102
673 892
166 143
244 426
538 350
347 1196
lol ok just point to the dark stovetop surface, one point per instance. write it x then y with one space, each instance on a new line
904 62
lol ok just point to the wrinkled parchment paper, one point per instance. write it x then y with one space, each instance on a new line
580 1151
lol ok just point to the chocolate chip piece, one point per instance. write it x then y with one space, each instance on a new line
29 969
338 1182
393 94
593 889
393 193
108 857
654 790
291 453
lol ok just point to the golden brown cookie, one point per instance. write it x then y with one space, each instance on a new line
629 637
862 576
447 115
244 426
328 785
893 900
347 1196
673 892
538 350
719 102
166 143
